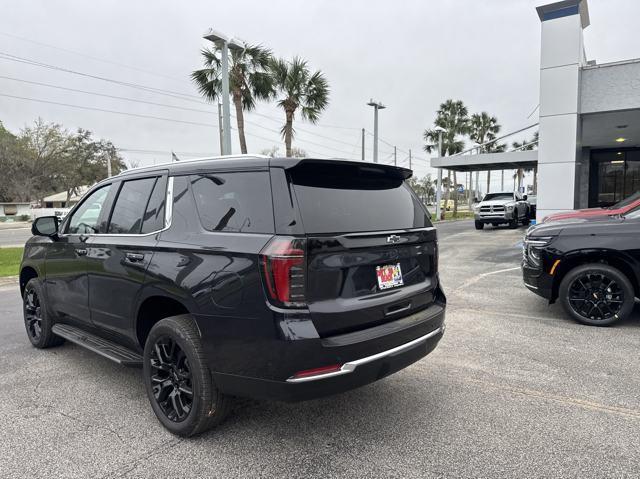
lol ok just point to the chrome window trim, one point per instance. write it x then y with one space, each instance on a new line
352 365
168 217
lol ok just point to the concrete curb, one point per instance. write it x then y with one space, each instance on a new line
452 220
9 280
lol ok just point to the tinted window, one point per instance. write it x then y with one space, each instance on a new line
85 219
154 215
234 201
337 198
498 196
130 206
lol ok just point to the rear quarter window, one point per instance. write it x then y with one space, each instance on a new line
343 198
234 202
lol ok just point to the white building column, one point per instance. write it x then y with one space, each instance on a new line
561 59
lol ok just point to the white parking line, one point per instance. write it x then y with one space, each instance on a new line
477 278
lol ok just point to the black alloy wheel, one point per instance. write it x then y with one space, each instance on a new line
33 315
596 296
178 380
171 379
37 321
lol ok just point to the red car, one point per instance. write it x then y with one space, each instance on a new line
620 208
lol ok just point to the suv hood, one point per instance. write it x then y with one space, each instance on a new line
588 212
575 225
495 202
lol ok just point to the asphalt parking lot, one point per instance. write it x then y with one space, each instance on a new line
515 389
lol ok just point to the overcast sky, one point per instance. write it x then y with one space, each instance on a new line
411 55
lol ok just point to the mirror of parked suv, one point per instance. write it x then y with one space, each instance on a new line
45 226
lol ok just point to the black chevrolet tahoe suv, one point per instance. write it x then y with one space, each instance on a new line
244 276
590 265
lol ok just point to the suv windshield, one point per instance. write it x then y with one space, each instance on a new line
627 201
339 198
498 196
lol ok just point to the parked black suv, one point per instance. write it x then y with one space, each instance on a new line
592 265
242 276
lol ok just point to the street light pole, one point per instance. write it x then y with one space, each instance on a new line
376 106
224 43
226 108
440 131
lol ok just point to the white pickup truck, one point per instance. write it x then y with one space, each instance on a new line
500 208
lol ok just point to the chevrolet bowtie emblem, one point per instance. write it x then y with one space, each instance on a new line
393 239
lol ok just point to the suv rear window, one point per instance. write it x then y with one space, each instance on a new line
341 198
238 202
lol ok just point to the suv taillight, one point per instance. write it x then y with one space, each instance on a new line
284 268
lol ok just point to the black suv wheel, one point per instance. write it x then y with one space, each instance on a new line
479 225
596 294
37 321
178 382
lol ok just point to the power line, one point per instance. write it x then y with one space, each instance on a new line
179 95
87 92
90 56
109 111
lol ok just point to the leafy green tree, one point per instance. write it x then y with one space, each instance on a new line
453 116
298 89
46 158
249 80
85 162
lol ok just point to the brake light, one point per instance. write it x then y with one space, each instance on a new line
284 268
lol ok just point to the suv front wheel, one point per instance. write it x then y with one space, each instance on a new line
37 320
178 381
596 294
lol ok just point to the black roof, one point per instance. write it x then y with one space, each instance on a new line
244 162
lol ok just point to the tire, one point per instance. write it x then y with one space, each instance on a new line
479 225
37 320
173 375
586 279
513 224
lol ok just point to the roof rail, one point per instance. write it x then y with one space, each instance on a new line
193 160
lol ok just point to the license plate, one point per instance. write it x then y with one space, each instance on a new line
389 276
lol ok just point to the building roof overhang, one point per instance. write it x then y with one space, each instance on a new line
488 161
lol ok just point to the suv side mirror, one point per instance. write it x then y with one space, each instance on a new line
45 226
524 197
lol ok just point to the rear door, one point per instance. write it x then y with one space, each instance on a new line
371 247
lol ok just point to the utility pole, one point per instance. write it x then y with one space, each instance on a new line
440 131
376 106
502 181
224 43
108 166
220 128
409 158
226 110
363 144
395 158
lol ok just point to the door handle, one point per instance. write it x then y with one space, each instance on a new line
81 251
134 257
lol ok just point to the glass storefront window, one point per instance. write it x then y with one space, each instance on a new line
615 175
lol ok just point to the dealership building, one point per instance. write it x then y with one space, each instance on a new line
589 127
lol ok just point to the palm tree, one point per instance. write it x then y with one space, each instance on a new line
483 128
249 79
298 88
453 116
